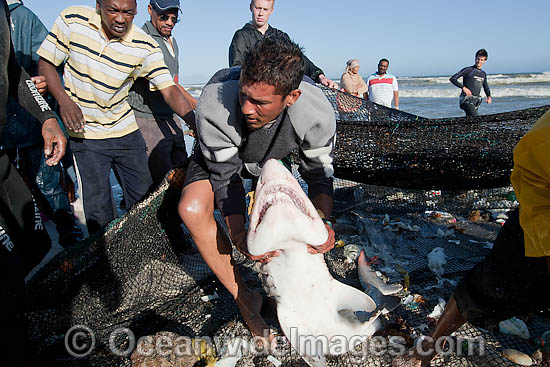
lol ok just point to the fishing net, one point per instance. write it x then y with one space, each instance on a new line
377 145
144 275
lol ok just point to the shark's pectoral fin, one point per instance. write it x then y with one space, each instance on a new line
349 298
386 303
368 278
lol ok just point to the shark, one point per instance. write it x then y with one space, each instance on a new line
319 315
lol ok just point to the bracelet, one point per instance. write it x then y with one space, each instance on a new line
326 221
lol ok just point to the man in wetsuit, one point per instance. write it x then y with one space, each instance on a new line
473 78
18 223
245 117
246 38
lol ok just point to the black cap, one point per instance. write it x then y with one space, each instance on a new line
164 5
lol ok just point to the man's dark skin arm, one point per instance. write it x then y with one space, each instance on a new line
175 98
69 111
324 203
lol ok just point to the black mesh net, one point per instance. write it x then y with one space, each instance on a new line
144 274
380 146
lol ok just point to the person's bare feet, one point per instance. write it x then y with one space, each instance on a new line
250 304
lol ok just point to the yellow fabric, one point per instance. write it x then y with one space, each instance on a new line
531 181
99 72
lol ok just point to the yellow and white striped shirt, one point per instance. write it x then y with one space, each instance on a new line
99 72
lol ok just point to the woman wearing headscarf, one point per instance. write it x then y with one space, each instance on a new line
351 81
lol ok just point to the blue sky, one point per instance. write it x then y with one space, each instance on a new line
423 37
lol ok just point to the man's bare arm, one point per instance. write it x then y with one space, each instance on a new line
396 99
323 203
175 98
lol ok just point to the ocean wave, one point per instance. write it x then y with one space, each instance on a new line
495 92
496 79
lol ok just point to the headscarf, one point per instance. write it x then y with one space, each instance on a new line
352 63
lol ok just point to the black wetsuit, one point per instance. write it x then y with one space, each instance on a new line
23 239
474 79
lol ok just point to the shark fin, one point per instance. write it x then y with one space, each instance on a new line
368 278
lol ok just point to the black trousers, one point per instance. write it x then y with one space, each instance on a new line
95 158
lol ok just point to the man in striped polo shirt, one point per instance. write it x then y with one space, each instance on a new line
383 86
103 53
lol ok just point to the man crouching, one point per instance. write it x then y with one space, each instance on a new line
278 113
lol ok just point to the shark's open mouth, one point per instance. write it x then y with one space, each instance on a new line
281 194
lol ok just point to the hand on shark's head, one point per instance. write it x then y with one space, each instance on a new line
240 242
325 247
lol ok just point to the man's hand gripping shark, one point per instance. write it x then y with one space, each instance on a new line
316 312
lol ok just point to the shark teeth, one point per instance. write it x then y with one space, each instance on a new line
280 194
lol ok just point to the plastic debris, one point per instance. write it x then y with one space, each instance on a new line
408 299
436 260
351 252
210 297
439 215
227 362
405 226
339 243
274 360
449 232
514 326
456 242
517 357
438 309
499 213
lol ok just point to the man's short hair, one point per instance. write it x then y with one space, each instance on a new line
272 1
482 53
276 62
382 60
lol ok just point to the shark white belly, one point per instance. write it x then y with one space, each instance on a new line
315 311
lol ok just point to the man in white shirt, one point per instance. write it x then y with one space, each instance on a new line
383 86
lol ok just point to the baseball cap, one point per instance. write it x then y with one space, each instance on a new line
164 5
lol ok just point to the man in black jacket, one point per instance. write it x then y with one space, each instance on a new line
247 37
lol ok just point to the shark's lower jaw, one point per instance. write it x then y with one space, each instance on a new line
280 194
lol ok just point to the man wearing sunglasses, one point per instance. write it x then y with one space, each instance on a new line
161 129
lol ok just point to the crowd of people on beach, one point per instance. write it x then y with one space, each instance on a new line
118 104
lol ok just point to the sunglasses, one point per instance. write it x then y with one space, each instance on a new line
165 17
